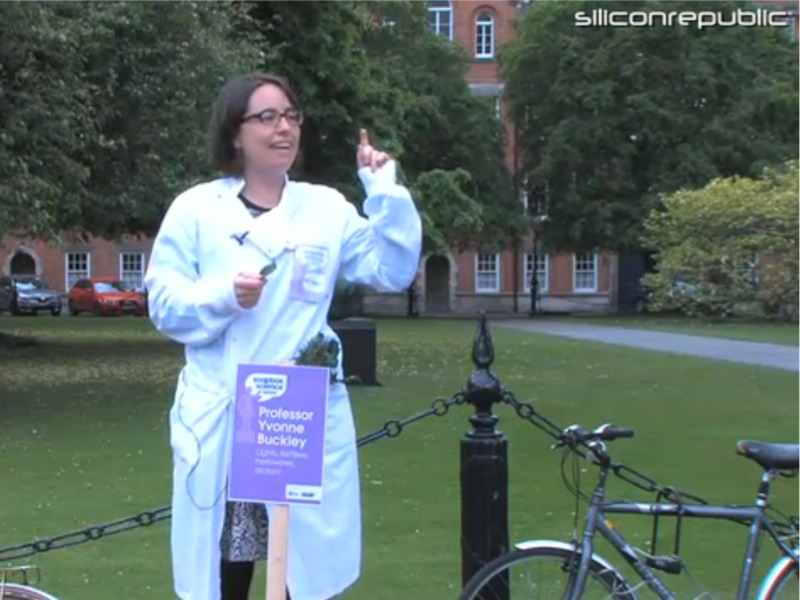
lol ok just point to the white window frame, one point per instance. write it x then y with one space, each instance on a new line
83 274
496 287
584 290
484 34
439 11
543 275
122 269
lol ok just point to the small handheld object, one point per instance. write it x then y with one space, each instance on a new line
266 271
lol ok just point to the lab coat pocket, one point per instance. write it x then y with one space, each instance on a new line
311 274
195 421
200 424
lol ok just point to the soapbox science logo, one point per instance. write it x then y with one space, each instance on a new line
266 386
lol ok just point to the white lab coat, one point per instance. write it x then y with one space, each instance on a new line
197 252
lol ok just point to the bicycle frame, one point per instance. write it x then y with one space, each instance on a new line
596 522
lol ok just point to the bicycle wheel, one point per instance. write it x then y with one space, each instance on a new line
544 571
13 591
781 583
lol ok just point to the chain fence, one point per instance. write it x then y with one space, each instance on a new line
482 393
784 525
390 429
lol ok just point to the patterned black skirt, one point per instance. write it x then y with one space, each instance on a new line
245 533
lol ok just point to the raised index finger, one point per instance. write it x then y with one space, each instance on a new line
364 138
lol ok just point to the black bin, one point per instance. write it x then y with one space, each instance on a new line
359 348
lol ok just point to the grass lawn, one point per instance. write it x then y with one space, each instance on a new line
773 333
84 440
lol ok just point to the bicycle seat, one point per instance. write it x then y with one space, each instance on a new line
770 456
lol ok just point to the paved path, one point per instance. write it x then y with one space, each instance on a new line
754 353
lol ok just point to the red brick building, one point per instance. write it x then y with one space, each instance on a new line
64 263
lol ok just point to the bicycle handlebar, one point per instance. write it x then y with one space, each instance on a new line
575 434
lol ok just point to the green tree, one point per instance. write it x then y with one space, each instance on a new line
451 216
157 69
732 243
454 144
46 115
612 117
104 108
318 46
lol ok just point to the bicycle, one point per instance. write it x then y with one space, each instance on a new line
24 590
579 564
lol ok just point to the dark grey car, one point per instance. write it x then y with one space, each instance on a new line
25 294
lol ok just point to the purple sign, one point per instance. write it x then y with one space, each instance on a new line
279 434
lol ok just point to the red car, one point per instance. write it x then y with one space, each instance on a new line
104 296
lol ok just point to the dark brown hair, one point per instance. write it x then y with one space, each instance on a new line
227 116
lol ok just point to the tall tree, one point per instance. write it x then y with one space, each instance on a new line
319 48
157 70
453 142
46 115
611 117
104 108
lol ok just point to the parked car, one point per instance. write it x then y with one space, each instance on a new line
104 296
27 294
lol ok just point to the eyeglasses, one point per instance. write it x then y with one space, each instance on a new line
271 117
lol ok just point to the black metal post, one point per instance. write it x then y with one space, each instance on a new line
534 282
515 245
412 298
484 471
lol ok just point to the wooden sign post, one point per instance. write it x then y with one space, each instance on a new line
278 552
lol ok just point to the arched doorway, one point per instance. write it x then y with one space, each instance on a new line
22 263
437 284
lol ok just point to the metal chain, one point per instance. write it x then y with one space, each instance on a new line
80 536
788 525
391 429
636 478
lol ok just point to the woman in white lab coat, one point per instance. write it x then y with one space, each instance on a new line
206 292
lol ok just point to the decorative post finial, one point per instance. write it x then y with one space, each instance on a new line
483 388
483 347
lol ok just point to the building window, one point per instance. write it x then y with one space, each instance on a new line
131 269
539 201
78 266
542 274
487 273
484 35
440 18
584 268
